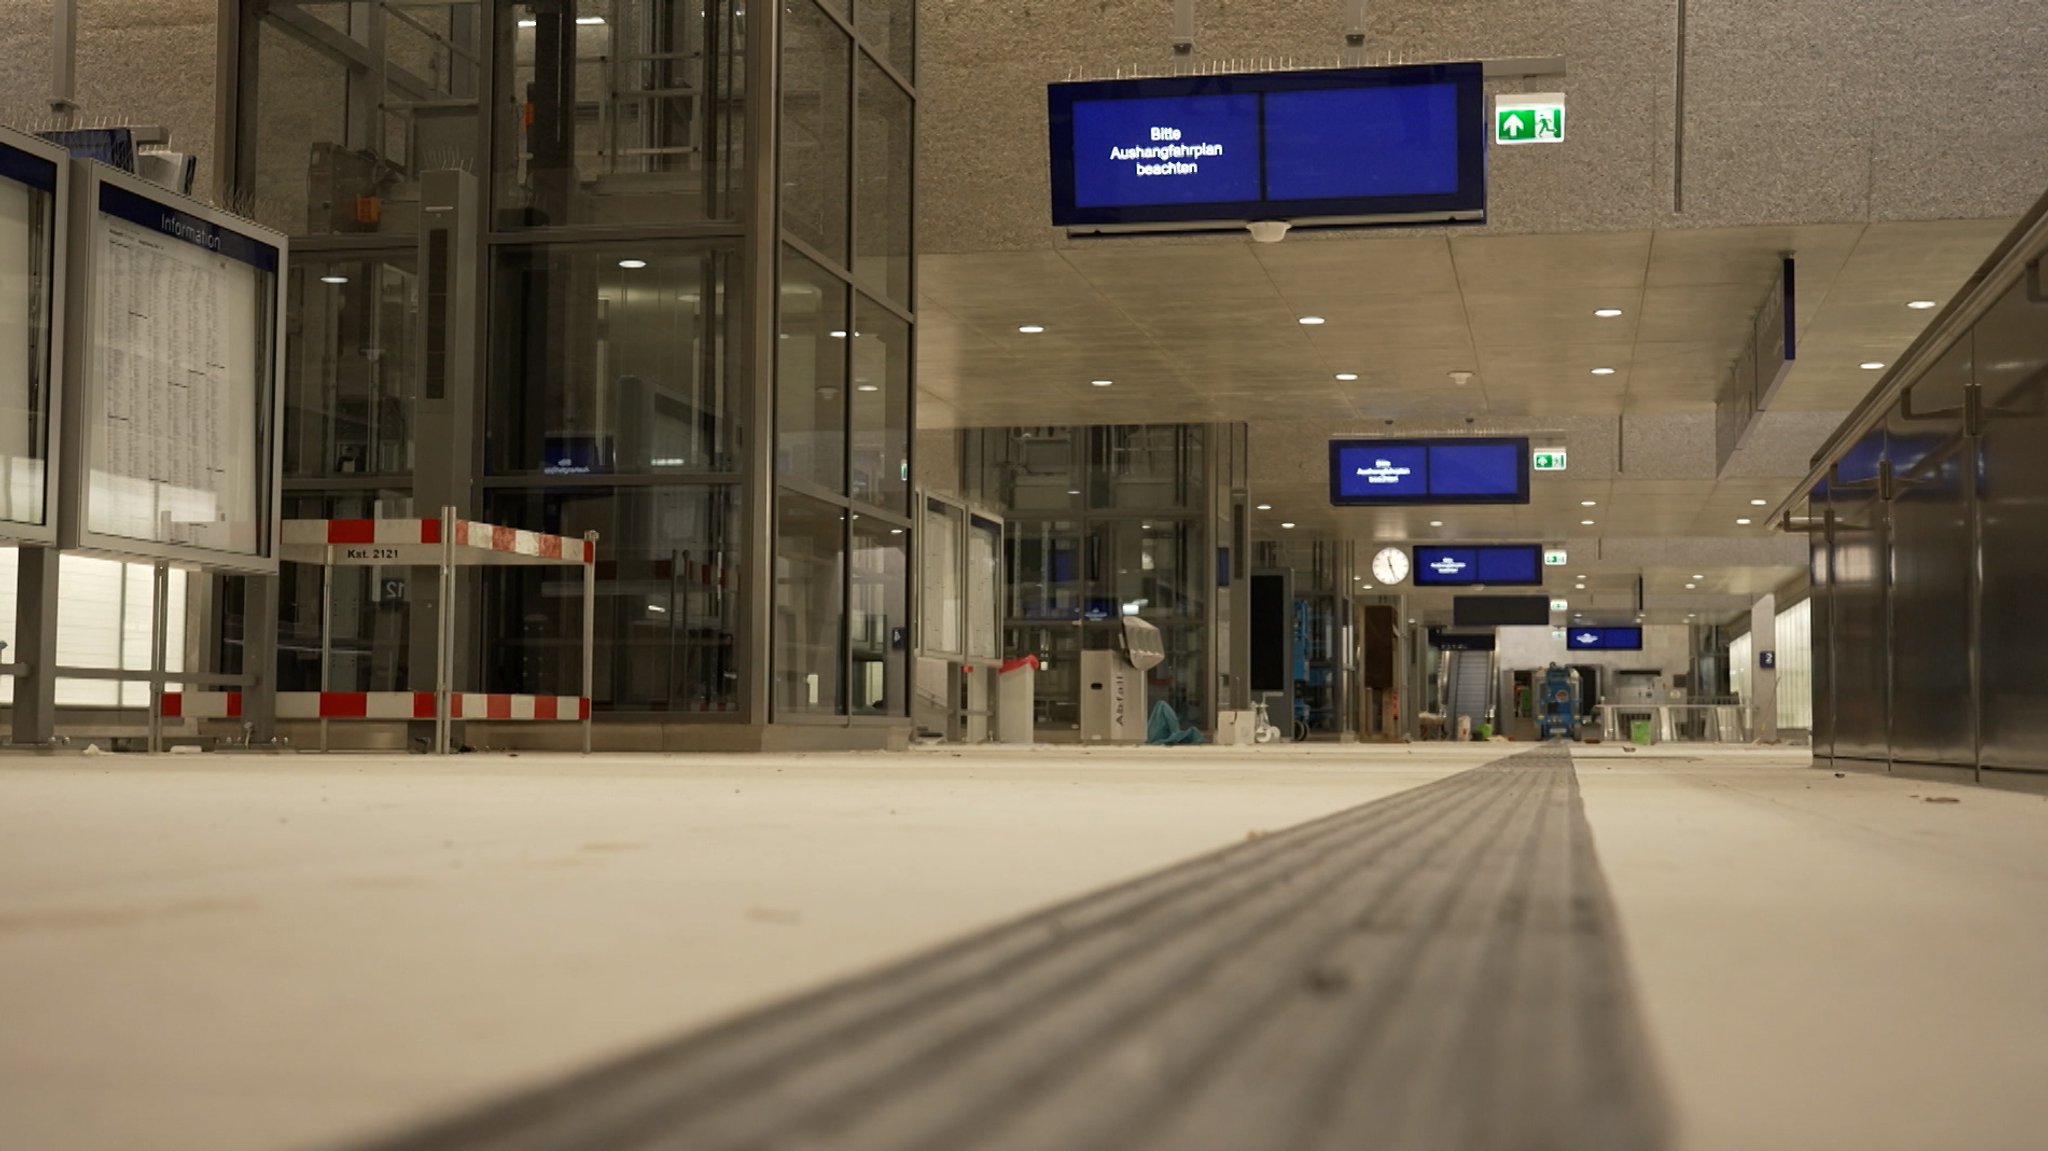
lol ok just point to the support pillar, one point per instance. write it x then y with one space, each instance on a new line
35 648
1763 681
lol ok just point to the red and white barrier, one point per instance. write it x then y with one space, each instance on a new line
419 542
387 705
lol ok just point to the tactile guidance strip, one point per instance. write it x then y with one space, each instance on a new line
1436 970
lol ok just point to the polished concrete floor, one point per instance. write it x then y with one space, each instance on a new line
296 952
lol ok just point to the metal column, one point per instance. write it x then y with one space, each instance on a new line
35 648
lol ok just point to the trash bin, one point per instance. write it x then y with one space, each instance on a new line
1017 700
1639 732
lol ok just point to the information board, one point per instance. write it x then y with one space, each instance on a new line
1494 565
1604 639
32 179
1336 146
174 403
1468 470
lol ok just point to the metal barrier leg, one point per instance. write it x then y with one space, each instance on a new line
159 641
590 633
326 636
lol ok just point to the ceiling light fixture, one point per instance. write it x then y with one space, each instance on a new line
632 263
1744 521
1603 371
1585 523
837 335
1697 575
1347 377
589 20
1031 329
1692 587
1288 524
1101 383
334 279
1589 503
1073 491
1921 305
867 388
1872 365
1759 503
1310 321
1368 587
529 22
1265 507
1436 523
1606 313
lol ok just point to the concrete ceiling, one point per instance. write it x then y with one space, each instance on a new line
1201 329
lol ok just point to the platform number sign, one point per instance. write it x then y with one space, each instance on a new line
1529 119
1547 461
1767 660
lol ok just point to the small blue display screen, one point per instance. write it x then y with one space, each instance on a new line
1177 150
1345 143
1460 471
1503 565
1604 639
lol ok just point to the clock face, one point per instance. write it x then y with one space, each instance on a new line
1390 566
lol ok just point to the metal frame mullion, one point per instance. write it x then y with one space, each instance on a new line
529 481
708 231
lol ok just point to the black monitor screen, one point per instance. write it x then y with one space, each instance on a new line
1500 610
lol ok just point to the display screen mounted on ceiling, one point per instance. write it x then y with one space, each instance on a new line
1494 565
1468 470
1604 639
1342 146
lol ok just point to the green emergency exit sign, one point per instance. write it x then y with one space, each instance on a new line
1554 558
1535 119
1550 461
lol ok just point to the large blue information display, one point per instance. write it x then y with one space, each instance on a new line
1340 146
1604 639
1452 471
1492 565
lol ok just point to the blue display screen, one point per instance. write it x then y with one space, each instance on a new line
1181 150
1381 471
1350 145
1503 565
1604 639
1362 142
1460 471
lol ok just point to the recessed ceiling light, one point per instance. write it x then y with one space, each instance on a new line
1744 521
1031 329
895 531
1697 575
1368 587
1759 503
1692 587
1287 524
1073 491
334 279
1585 523
529 22
1265 507
866 388
1603 371
632 263
1606 313
1436 523
588 20
837 335
1347 377
1589 503
1101 383
1311 321
1872 365
1921 305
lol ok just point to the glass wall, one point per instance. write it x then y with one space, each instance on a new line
618 384
1103 522
843 370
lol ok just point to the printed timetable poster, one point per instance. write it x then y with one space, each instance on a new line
185 311
27 202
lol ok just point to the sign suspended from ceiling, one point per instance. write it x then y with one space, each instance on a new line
1334 147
